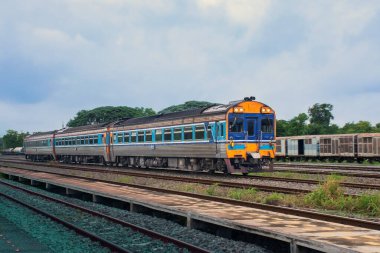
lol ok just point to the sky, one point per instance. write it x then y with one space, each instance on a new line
59 57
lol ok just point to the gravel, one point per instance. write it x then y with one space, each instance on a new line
192 236
57 237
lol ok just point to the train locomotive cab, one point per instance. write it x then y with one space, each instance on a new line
251 136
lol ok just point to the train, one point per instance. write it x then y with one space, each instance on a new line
237 137
355 147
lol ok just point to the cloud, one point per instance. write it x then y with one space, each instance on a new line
63 56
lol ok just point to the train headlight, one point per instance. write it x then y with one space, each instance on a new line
266 110
238 109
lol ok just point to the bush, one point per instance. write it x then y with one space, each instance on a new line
327 194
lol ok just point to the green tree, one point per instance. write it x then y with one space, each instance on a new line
1 143
359 127
108 114
282 127
320 118
377 128
186 106
13 139
297 125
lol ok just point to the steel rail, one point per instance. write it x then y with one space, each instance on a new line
220 183
266 188
329 166
150 233
279 209
93 237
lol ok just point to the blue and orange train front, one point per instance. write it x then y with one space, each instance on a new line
251 134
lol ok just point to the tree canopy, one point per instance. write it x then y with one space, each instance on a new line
186 106
107 114
13 139
320 116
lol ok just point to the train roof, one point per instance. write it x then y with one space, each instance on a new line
82 128
209 110
37 134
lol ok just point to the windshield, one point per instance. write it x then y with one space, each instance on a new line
267 125
236 125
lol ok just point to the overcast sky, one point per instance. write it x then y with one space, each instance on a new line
58 57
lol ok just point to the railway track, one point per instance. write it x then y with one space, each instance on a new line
330 166
104 242
280 209
223 183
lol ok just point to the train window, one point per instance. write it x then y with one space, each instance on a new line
159 135
221 130
120 138
140 137
278 146
236 125
82 140
91 140
167 134
126 137
177 134
251 127
199 132
209 132
133 136
115 137
188 133
148 136
267 125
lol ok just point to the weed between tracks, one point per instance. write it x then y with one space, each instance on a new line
330 196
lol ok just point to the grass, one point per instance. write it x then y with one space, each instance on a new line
212 190
330 196
242 194
274 198
125 180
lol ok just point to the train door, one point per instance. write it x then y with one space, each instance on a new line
335 147
107 146
301 147
251 128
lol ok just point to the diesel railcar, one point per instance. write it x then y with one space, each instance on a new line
238 137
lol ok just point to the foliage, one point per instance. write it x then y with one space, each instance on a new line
297 125
360 127
320 116
282 127
186 106
107 114
1 143
330 196
13 139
